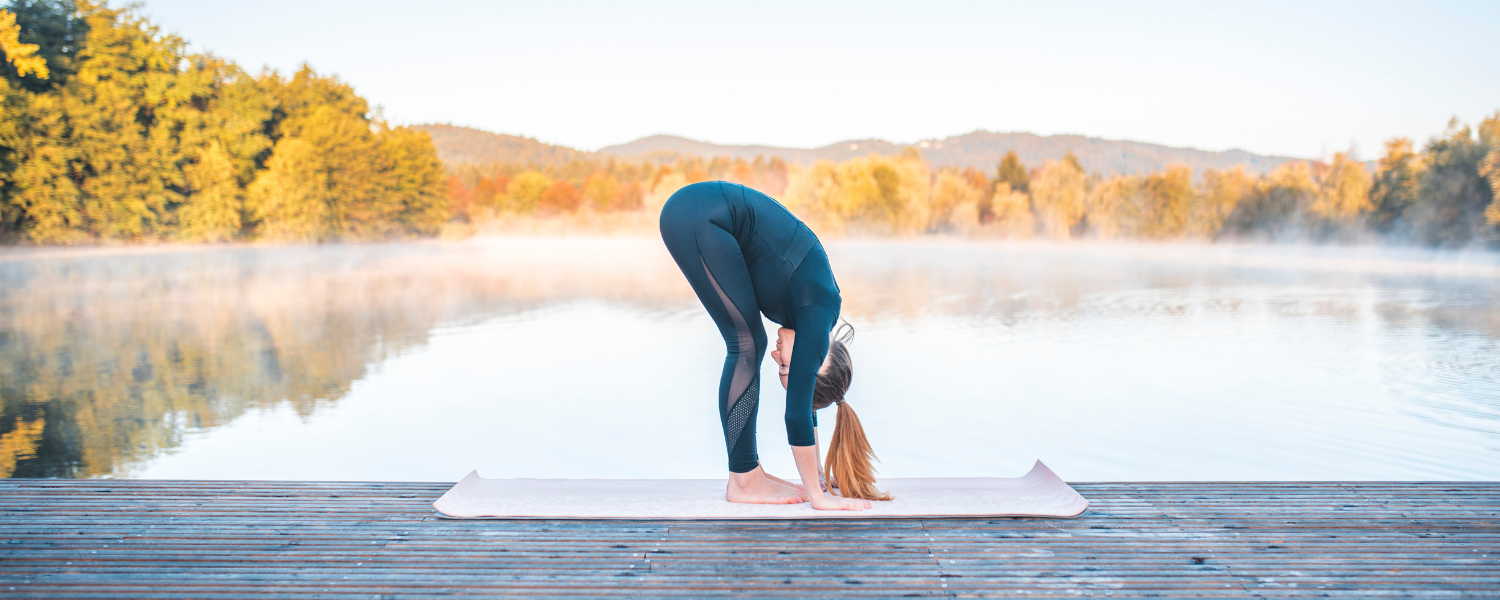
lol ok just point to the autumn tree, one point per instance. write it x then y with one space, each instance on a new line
955 202
600 190
1219 193
1344 190
1011 213
130 137
1060 195
1277 207
103 158
213 210
1014 174
560 197
1395 188
524 193
1453 197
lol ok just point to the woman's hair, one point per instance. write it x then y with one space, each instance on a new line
849 455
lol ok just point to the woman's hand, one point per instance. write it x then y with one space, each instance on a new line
807 459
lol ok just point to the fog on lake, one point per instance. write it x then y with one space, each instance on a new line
590 357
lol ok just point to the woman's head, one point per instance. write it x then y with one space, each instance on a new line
849 464
837 372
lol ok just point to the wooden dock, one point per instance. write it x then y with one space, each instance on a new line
221 539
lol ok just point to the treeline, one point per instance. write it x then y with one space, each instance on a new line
1440 195
597 185
112 131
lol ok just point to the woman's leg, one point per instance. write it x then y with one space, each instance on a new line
711 260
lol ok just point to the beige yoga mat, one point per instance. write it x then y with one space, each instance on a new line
1040 493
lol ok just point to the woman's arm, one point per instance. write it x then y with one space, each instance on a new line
818 449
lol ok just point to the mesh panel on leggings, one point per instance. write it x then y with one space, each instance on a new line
745 370
740 413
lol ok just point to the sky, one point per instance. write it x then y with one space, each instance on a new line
1302 79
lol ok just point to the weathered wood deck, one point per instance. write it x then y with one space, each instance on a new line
206 539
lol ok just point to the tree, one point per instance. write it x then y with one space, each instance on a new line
58 31
1060 194
1344 192
1011 172
1491 171
1453 196
1218 195
1489 167
1398 179
212 211
631 196
290 201
560 197
22 56
110 130
525 191
103 159
955 202
415 181
600 190
1012 212
1277 207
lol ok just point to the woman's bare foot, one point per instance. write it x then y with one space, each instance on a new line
754 488
784 482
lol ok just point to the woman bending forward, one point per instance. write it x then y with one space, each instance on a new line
746 255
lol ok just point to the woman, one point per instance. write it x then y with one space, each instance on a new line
746 255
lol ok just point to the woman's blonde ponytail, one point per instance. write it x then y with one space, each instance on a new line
850 465
850 458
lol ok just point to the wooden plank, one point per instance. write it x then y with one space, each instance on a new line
207 539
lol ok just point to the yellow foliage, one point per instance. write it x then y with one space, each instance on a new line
525 191
600 190
1060 194
20 444
1106 205
23 56
955 202
1012 212
1167 199
212 211
880 193
1490 169
1219 194
1294 177
289 197
1344 192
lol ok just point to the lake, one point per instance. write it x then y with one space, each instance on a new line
589 357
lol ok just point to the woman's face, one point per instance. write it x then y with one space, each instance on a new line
783 353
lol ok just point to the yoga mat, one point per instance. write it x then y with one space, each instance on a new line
1039 493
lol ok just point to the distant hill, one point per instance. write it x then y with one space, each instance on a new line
980 149
465 145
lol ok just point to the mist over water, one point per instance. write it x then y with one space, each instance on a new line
590 357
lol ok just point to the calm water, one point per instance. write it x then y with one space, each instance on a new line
536 357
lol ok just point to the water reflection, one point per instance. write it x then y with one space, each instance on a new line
588 357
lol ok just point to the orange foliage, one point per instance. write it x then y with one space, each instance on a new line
561 197
458 198
631 196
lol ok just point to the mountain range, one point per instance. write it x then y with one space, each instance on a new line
980 149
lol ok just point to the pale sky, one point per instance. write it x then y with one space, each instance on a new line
1291 78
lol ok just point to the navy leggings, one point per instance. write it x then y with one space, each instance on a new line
714 265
